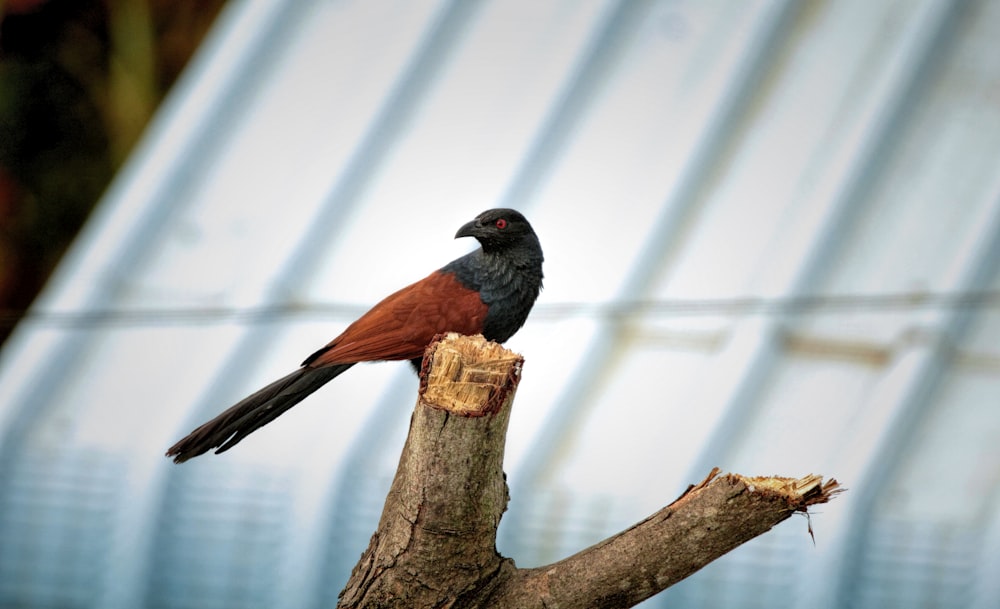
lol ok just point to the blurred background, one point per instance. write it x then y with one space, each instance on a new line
772 236
79 80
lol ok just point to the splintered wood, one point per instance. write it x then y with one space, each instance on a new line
468 375
800 492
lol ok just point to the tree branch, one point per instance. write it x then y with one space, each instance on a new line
708 521
436 541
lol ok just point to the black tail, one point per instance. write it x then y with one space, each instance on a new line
253 412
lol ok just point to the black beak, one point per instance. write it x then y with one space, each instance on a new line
468 230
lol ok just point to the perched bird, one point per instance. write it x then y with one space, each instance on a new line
488 291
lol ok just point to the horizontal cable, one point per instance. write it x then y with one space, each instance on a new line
708 307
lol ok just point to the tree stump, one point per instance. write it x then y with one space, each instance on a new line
436 540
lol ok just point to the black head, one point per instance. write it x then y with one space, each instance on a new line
498 229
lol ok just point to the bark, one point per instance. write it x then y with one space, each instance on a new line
436 541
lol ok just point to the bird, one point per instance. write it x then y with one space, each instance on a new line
488 291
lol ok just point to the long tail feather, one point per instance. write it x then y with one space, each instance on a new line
253 412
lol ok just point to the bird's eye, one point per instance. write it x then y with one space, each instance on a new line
501 223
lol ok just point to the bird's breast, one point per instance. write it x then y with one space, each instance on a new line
507 289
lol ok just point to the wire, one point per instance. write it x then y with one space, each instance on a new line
729 307
796 305
179 315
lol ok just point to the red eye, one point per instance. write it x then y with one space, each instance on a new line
501 223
